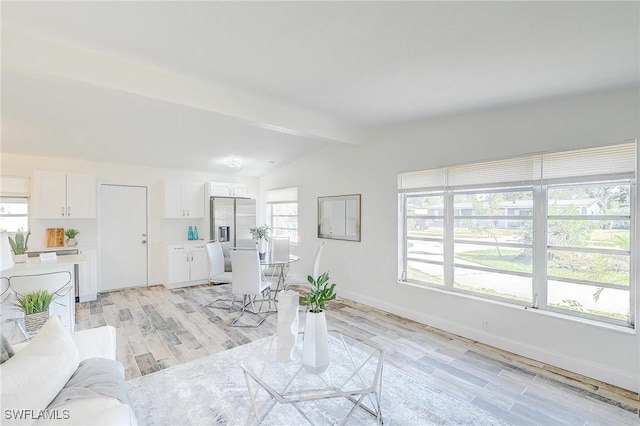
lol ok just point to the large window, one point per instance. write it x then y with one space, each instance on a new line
282 213
553 231
14 213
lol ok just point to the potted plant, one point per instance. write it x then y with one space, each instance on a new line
315 349
71 237
19 246
35 305
261 235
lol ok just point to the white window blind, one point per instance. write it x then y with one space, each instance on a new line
425 179
608 161
512 172
282 195
603 161
15 185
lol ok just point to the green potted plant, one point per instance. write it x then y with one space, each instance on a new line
35 305
315 346
19 246
261 235
71 237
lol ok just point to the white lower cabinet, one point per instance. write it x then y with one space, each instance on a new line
187 264
88 276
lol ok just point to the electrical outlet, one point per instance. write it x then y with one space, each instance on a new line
485 325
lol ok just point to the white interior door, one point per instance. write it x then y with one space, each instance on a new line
123 236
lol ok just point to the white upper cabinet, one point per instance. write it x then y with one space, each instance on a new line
227 189
184 200
60 195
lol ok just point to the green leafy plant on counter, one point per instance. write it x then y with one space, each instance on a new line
71 233
19 245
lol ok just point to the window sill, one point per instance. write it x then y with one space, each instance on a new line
591 323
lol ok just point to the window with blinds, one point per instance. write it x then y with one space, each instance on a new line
550 231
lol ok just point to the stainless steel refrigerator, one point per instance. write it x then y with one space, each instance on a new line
230 221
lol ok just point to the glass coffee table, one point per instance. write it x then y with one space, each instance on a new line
354 375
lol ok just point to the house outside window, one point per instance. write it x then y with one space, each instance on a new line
282 213
553 232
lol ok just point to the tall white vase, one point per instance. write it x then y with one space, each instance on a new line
288 319
262 248
315 346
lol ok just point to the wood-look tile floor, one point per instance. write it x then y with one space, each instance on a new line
158 328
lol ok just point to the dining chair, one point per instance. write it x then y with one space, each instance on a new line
10 314
249 283
217 274
58 283
300 278
278 252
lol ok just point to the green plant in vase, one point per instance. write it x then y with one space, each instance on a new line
315 346
35 305
19 246
71 237
261 235
321 292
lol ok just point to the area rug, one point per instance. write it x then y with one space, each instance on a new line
213 391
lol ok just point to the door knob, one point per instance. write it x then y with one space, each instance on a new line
144 241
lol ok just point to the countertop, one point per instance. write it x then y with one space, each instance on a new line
34 264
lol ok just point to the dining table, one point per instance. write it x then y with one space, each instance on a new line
280 267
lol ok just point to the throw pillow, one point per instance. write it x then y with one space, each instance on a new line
33 377
6 349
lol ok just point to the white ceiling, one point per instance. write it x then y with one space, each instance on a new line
190 84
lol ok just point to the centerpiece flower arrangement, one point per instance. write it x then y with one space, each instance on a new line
261 235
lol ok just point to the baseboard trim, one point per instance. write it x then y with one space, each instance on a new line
596 371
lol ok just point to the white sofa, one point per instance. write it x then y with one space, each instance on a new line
39 369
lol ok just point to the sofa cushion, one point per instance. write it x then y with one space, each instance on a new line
35 375
96 342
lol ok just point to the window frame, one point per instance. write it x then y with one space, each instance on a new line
26 200
283 196
434 182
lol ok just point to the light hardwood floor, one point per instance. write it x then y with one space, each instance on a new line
159 328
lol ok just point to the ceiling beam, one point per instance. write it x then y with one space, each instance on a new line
27 53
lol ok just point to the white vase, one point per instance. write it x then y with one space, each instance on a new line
72 242
315 345
288 319
262 248
20 258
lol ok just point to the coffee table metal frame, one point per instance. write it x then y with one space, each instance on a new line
354 373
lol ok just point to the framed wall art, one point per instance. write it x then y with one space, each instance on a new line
339 217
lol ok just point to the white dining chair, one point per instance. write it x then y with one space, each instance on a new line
249 284
217 274
299 278
57 283
279 250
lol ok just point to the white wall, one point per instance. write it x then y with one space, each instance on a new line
367 271
161 231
